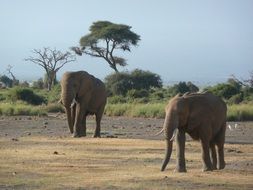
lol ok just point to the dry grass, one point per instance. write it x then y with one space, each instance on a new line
87 163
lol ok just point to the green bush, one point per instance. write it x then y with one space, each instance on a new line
224 90
241 112
236 99
26 95
132 94
148 110
8 109
116 100
121 83
53 96
117 109
136 110
2 97
183 87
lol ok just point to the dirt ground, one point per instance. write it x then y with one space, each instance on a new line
39 153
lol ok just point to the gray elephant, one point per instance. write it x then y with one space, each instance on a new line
203 117
82 94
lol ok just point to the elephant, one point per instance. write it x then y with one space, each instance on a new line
203 117
82 94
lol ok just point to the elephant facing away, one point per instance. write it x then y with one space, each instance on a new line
203 117
82 94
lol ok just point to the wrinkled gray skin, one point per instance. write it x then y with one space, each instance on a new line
203 117
82 94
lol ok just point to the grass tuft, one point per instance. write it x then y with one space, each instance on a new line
240 112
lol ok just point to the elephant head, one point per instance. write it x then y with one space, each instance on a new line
176 116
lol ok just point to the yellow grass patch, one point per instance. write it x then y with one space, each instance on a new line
87 163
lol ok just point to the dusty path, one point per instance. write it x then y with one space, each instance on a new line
119 127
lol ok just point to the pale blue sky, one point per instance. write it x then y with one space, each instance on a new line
181 40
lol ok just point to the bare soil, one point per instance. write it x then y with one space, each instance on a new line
39 153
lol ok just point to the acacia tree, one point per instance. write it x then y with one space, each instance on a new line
14 80
244 82
52 61
106 37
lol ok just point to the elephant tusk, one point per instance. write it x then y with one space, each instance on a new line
60 102
174 135
230 127
73 103
160 132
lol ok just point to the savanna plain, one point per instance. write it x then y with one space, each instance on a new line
39 153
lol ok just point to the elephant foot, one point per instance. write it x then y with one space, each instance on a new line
206 169
76 135
214 168
221 166
96 136
180 170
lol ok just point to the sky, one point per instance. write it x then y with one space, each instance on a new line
203 41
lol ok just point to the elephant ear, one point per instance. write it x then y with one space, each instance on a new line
86 84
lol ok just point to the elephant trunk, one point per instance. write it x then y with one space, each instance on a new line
170 125
67 100
167 154
70 119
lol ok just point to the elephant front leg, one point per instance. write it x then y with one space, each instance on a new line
73 115
220 145
78 126
97 130
180 142
222 163
83 126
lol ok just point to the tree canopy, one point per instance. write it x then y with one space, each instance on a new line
104 38
120 83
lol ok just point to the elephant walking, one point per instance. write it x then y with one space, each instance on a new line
203 117
82 94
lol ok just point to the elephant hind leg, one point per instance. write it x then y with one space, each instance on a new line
222 163
99 115
213 156
205 138
220 144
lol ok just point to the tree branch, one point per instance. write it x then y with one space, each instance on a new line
51 60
